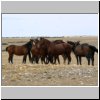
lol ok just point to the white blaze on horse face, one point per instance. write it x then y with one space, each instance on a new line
33 43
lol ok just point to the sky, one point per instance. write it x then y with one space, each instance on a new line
33 25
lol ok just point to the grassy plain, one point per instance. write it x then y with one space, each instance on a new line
28 74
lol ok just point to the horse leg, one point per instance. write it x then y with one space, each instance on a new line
51 58
77 60
64 58
58 59
37 59
42 59
24 59
46 59
30 59
69 58
34 59
92 61
80 59
88 61
12 59
54 60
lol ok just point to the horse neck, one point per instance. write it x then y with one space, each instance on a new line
28 45
47 43
73 45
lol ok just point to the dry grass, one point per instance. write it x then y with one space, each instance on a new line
28 74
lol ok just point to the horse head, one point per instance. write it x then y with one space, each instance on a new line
77 43
31 41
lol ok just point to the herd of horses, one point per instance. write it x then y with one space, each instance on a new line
49 51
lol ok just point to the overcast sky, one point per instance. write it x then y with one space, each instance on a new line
27 25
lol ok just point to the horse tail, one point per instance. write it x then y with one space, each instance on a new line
93 48
6 48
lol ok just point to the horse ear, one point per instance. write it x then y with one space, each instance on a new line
33 43
41 38
31 40
38 39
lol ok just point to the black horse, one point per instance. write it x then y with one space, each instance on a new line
23 50
83 50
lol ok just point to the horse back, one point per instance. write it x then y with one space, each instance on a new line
21 50
17 50
82 50
10 48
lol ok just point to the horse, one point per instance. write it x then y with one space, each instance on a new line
54 50
35 54
23 50
84 50
41 52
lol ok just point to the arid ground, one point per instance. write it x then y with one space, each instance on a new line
28 74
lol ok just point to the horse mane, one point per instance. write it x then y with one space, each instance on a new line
70 42
28 45
46 40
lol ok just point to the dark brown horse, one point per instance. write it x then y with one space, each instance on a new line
41 52
83 50
64 56
54 50
23 50
35 54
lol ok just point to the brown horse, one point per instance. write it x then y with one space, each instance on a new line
83 50
23 50
35 54
54 50
42 51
